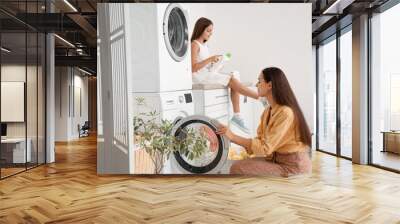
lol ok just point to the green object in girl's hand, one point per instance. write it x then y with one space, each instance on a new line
227 56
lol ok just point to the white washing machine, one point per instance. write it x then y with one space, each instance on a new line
169 105
160 54
178 107
213 161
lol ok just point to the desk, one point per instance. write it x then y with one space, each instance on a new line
391 141
13 150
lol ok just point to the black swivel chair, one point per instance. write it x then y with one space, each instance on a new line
84 130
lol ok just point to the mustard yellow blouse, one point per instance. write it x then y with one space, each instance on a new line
277 132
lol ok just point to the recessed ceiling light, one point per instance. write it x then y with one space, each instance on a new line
84 71
70 5
5 50
337 7
64 40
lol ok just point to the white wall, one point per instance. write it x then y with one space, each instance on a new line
260 35
12 101
14 72
67 116
81 83
61 103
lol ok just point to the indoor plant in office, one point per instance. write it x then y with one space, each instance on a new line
155 136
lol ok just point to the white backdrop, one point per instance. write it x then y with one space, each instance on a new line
12 101
260 35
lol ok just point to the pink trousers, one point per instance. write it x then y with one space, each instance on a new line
284 165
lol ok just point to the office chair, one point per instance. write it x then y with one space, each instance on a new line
84 130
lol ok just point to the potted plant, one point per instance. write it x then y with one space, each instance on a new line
155 137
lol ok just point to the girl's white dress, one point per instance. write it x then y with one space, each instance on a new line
207 75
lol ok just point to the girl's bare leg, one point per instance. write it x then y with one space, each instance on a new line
237 86
235 97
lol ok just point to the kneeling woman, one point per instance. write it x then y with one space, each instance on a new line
283 140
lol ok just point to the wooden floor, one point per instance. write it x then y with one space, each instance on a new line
387 159
10 171
70 191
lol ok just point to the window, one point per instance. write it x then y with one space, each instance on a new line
327 96
346 93
385 89
335 74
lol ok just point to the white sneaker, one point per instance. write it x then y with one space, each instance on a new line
239 122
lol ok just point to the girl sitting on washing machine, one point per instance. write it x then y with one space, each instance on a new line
203 72
283 139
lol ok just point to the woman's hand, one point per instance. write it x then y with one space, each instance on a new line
224 130
245 142
211 138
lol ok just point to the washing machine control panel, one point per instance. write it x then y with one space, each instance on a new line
181 99
188 97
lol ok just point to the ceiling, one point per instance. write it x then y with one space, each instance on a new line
77 25
76 22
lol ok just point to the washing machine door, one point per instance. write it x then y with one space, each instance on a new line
175 30
216 155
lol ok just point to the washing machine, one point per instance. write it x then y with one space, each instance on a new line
168 105
178 107
213 161
160 47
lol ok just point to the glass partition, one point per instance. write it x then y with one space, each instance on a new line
41 87
346 94
22 78
31 100
13 103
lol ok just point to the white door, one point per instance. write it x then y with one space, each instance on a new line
115 152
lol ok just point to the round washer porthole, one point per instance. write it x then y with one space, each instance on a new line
212 159
175 30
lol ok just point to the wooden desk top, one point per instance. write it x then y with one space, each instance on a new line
13 140
390 132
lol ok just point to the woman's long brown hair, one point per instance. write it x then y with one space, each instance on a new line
283 95
199 27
